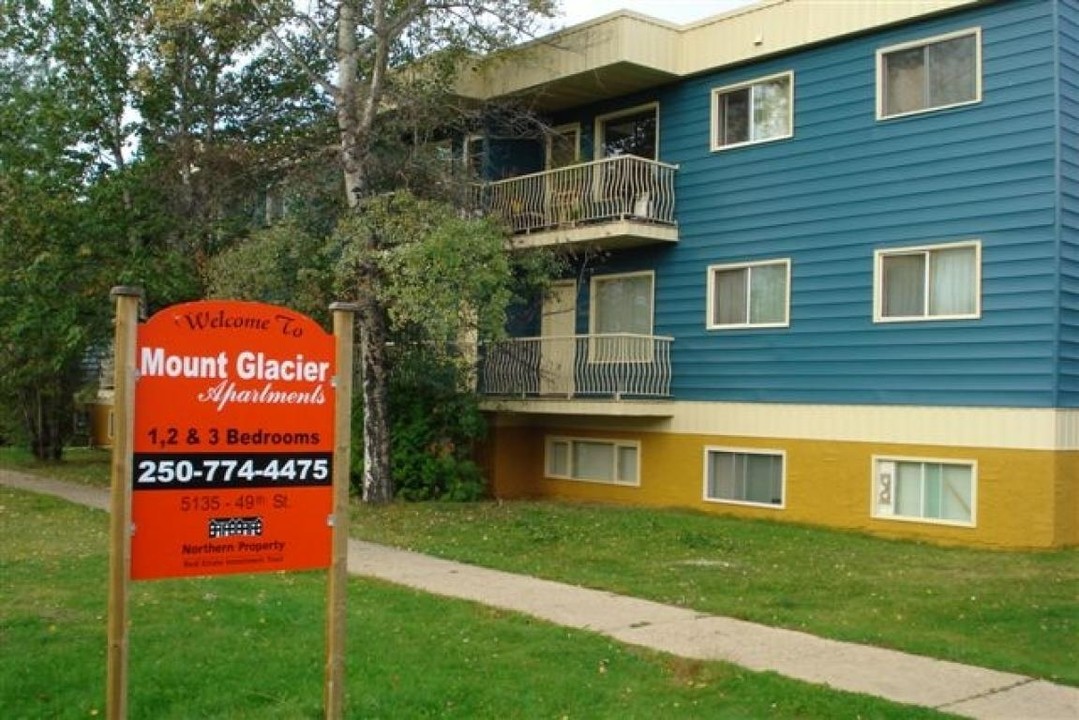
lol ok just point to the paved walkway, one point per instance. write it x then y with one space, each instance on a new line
951 687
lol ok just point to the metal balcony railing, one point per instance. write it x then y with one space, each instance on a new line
615 366
618 188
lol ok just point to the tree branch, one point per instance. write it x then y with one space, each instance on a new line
294 54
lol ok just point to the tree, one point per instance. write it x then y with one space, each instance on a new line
379 62
180 125
283 264
200 95
370 36
69 227
50 257
443 280
127 155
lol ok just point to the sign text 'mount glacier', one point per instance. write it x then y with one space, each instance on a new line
155 362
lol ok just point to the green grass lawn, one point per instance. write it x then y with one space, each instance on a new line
1015 611
251 646
84 465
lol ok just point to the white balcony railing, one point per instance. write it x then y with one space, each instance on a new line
616 366
618 188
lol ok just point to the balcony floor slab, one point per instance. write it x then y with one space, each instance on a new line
619 233
595 407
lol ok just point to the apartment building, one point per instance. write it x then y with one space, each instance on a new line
826 266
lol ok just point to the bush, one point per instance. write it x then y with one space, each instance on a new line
434 426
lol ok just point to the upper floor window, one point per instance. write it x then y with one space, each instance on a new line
749 294
629 132
464 157
622 304
622 313
474 155
753 112
563 146
443 152
938 282
929 74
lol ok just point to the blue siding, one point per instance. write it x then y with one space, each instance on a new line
1068 38
845 185
1004 171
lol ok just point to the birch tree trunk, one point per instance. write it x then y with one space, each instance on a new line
355 124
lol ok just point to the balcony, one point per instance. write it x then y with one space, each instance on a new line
621 374
615 202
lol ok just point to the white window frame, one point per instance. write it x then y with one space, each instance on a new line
473 139
781 454
601 120
597 279
717 93
925 42
878 282
616 446
878 503
710 308
594 348
568 128
443 150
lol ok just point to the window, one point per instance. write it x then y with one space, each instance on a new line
914 489
628 132
465 157
928 283
474 155
443 153
940 72
621 309
749 295
750 477
606 461
753 112
563 146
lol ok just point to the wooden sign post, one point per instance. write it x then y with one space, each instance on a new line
234 455
336 597
127 319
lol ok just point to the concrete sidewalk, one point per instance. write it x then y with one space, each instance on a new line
950 687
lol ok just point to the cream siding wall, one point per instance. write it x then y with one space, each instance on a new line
627 38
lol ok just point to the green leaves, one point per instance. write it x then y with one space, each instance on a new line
283 264
440 275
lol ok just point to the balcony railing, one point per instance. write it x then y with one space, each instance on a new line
618 188
615 366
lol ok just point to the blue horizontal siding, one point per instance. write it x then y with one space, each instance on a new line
845 185
1068 48
1001 171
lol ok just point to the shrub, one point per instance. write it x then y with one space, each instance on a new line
434 425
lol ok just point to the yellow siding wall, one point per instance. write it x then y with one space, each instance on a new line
100 424
1068 498
513 462
1025 498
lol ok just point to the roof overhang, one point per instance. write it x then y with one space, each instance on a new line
614 55
626 52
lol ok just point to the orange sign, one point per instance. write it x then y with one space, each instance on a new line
233 444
